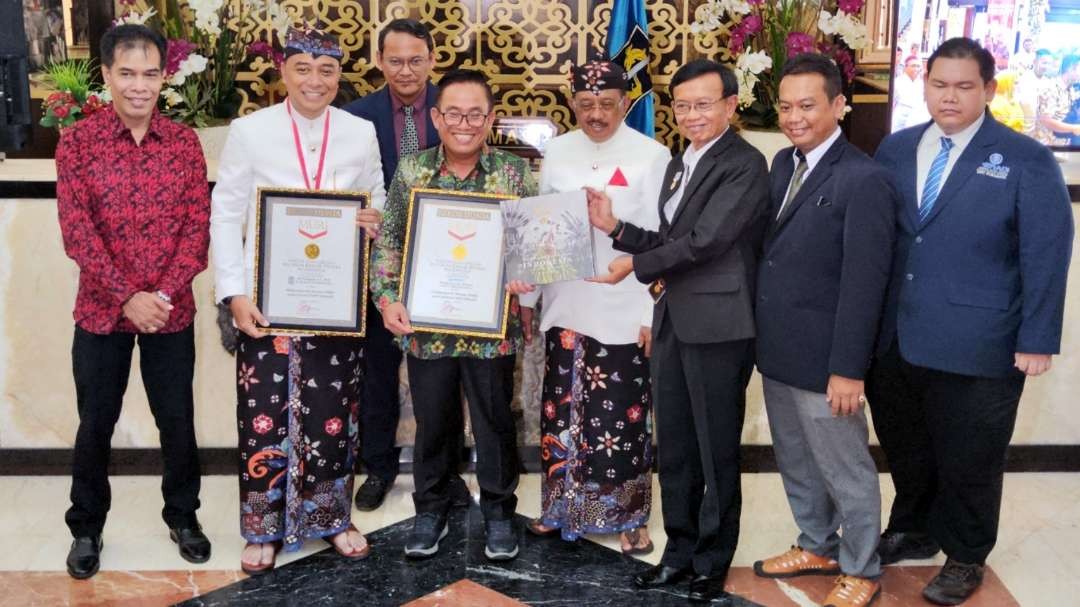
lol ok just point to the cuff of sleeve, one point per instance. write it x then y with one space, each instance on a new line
528 300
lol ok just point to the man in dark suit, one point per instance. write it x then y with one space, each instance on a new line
975 305
702 266
821 288
403 126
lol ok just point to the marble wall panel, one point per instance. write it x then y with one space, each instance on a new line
37 409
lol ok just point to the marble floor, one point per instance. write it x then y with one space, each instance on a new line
1033 563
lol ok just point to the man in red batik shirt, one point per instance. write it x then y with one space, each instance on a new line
134 211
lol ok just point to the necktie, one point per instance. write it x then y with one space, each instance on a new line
410 143
932 187
801 167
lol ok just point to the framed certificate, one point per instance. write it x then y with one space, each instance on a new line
311 272
452 272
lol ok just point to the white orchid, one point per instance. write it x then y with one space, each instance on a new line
848 27
172 98
207 15
136 18
754 63
279 21
747 82
193 64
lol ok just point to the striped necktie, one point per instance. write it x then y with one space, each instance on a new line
934 178
410 142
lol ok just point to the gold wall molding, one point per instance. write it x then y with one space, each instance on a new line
525 47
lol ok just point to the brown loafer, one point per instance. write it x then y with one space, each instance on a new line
796 562
262 568
357 554
851 591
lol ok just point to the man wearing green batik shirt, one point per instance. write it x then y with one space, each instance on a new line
439 365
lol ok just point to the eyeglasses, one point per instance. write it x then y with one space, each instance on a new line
395 64
454 117
702 106
606 105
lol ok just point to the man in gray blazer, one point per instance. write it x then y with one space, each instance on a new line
701 266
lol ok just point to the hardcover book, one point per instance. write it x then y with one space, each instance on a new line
548 238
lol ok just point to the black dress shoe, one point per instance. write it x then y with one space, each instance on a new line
84 558
897 546
459 492
660 575
193 543
371 494
709 589
954 583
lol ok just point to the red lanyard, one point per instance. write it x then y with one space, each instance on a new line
300 148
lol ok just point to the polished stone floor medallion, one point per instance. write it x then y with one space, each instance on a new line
547 571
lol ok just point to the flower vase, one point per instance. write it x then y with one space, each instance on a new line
212 139
767 142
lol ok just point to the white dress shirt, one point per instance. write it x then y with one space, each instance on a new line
930 145
690 160
813 157
611 314
260 152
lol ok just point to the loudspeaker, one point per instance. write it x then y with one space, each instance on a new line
15 119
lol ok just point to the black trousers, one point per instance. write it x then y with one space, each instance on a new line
945 437
436 391
101 364
699 399
381 408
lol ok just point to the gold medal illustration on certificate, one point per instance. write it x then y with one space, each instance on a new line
461 233
312 229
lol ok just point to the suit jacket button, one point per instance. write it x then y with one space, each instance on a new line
910 277
918 239
763 298
770 262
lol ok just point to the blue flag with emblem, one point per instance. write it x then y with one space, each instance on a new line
628 45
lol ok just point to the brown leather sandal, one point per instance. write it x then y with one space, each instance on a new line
633 536
358 554
536 527
261 568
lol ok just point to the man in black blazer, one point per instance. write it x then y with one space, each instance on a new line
702 266
403 126
821 290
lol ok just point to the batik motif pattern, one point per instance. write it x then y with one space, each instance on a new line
596 436
297 419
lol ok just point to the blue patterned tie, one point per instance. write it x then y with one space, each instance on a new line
932 187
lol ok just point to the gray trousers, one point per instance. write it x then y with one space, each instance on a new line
829 477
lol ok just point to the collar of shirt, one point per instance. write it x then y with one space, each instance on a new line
933 134
691 156
815 155
929 146
418 106
309 124
118 128
485 162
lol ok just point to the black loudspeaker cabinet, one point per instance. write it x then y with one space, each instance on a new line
15 117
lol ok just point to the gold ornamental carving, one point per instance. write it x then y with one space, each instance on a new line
525 47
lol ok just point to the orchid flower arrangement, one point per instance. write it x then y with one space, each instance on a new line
208 40
762 34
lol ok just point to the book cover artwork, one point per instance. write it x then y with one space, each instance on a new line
548 238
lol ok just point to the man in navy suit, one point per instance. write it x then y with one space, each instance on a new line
403 126
975 305
821 289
